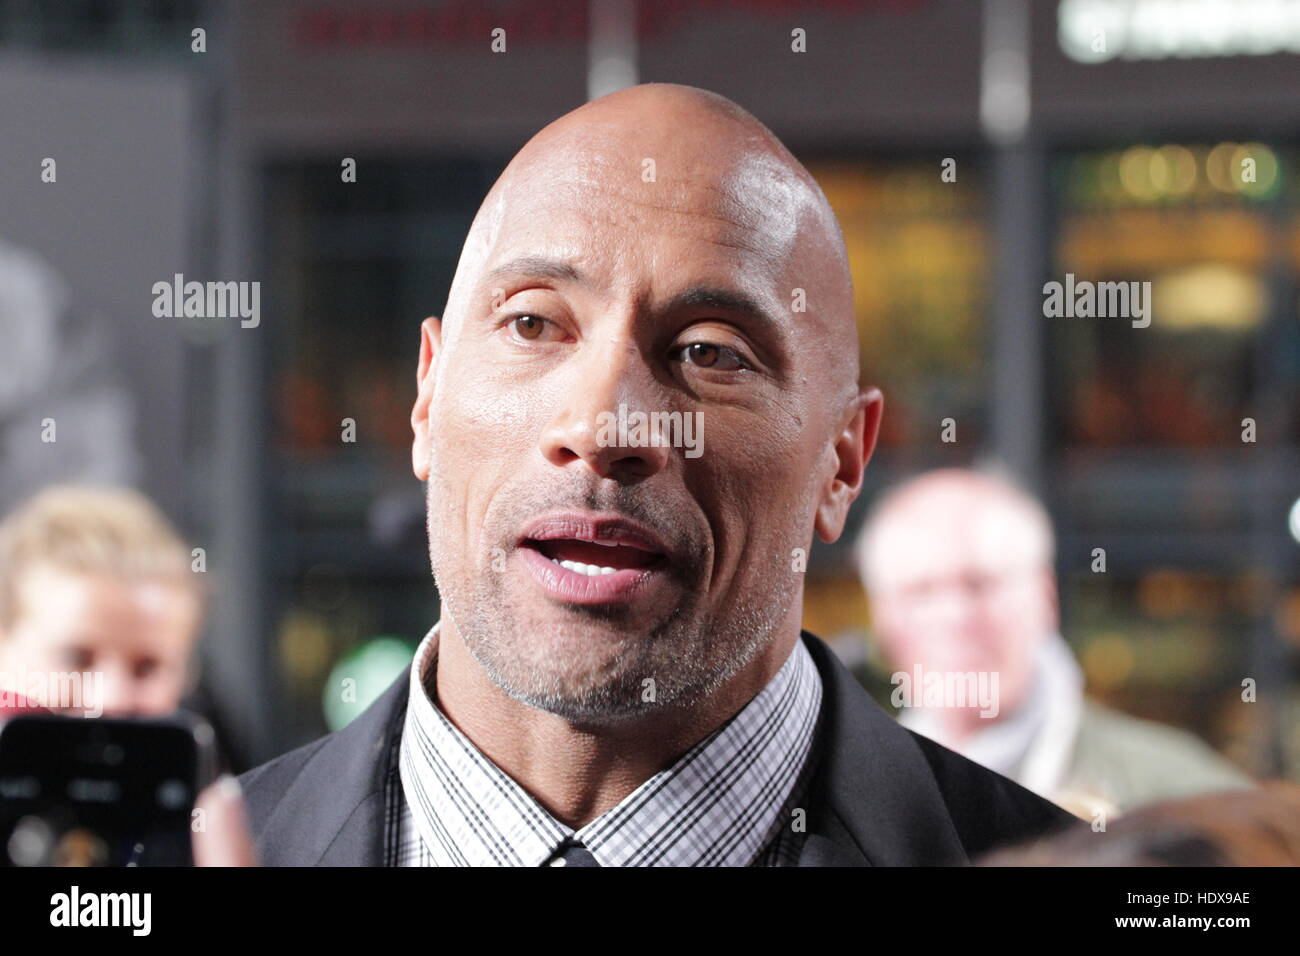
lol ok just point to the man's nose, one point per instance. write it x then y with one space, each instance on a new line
610 385
948 605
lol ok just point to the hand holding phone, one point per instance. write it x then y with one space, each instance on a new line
102 792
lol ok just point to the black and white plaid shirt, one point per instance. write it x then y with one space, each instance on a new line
730 801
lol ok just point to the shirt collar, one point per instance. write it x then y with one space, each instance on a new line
719 804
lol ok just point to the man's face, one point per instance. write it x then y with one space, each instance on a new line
959 591
133 637
591 577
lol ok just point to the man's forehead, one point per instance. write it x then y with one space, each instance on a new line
594 202
935 539
667 272
649 271
654 204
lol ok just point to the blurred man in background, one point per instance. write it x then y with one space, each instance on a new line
99 609
958 566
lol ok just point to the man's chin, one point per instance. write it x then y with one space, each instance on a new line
593 690
583 666
602 708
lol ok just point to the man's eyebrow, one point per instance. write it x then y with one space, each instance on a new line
696 297
723 300
536 267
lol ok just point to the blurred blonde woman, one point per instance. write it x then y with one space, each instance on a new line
99 608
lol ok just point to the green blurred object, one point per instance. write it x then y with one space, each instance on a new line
361 675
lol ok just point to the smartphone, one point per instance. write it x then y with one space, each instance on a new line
101 792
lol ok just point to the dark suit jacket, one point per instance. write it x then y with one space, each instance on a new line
880 794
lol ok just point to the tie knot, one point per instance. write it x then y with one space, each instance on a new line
572 853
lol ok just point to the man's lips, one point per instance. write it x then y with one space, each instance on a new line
582 558
595 539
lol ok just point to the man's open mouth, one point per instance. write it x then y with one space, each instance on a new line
591 559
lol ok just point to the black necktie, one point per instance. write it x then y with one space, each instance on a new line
572 853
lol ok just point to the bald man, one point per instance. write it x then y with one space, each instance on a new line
618 677
958 565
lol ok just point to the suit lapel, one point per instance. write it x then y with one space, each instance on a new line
874 800
361 839
334 811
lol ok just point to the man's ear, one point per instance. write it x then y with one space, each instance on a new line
852 450
430 344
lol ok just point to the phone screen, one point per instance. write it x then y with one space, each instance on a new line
98 792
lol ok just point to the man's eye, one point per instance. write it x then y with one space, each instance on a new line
528 326
717 357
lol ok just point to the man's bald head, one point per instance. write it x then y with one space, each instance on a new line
704 156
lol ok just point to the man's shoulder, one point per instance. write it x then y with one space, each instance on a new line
1140 760
323 802
905 799
1125 732
267 783
989 810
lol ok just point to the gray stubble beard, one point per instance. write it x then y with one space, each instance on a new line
686 657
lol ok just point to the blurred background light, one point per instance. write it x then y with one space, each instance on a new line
360 676
1094 31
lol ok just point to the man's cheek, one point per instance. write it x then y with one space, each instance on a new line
464 441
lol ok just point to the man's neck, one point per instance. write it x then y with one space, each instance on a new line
577 773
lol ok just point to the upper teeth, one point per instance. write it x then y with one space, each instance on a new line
588 569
